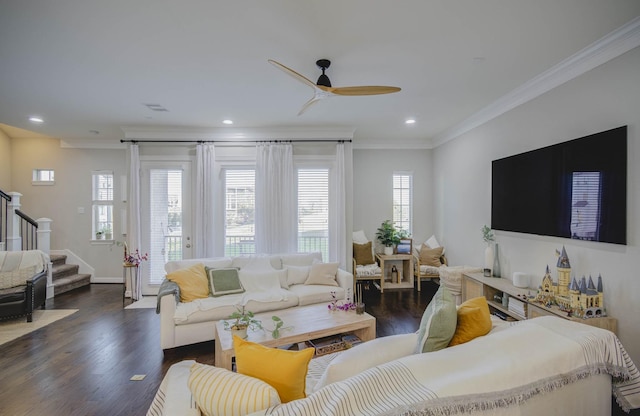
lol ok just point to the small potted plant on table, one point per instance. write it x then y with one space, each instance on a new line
386 234
240 321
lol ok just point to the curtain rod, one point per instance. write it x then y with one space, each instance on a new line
239 141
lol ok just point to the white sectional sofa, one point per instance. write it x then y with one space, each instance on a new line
183 323
541 366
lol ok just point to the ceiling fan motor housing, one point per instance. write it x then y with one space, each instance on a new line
323 80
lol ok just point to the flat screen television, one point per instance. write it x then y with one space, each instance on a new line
575 189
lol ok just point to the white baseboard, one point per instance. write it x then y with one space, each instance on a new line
117 280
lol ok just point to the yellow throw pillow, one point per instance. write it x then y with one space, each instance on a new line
192 281
218 391
362 254
474 320
430 256
285 370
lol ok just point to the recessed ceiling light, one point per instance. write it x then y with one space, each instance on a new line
35 119
410 121
227 121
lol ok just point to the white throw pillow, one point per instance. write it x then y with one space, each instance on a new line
432 242
323 274
359 237
297 275
367 355
262 281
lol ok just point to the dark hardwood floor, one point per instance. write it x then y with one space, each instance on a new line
81 365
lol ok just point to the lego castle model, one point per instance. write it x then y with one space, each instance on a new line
579 299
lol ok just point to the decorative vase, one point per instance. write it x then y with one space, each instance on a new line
388 250
496 262
488 258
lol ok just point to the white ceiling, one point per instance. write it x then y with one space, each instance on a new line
92 65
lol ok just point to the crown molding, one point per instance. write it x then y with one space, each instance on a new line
610 46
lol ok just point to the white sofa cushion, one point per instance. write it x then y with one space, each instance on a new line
312 294
367 355
216 263
300 259
297 275
257 262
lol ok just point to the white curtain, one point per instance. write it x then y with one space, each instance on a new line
134 234
275 202
339 248
204 215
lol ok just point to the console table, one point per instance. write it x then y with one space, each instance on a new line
476 284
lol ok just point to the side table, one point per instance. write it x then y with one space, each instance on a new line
406 272
129 274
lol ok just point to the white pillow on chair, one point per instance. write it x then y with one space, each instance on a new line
359 237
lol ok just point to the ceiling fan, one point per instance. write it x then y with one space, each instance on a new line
323 89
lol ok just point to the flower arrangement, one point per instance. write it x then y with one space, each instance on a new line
336 305
133 258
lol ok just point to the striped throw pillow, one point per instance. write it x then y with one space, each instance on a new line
218 391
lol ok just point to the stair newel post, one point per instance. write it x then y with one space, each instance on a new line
44 235
14 241
44 244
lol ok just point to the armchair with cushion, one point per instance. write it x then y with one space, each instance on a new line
23 283
427 260
365 266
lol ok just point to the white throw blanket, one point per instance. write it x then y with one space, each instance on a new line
18 266
505 369
13 260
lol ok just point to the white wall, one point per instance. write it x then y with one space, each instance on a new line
373 189
5 162
72 190
601 99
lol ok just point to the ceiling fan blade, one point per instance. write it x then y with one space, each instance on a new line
321 93
293 73
364 90
308 104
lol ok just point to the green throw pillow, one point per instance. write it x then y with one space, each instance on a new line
438 322
224 281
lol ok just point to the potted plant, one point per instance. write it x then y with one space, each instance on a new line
108 234
388 236
241 320
488 238
99 235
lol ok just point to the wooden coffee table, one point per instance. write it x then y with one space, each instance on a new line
307 322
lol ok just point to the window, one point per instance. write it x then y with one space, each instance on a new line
313 211
43 177
585 205
165 211
240 206
102 205
402 200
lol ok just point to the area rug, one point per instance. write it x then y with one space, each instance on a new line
15 328
147 302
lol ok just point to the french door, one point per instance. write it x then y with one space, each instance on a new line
165 195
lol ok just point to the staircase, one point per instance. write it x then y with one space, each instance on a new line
65 276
